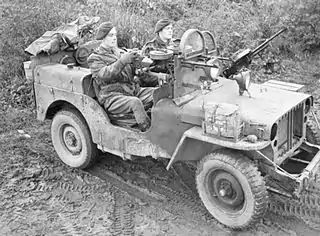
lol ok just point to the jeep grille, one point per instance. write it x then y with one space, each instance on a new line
290 132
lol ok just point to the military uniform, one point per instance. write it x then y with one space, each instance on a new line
119 93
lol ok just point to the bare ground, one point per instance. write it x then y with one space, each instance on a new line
41 196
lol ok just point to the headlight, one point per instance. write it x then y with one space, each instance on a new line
308 104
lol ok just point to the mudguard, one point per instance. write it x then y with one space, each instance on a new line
91 110
188 149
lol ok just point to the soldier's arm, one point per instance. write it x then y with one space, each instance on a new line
103 71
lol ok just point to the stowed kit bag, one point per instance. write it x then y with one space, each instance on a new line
223 120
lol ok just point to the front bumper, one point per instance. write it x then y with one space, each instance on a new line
310 172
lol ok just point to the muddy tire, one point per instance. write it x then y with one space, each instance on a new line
312 133
231 188
72 140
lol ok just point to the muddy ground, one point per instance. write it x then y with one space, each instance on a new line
41 196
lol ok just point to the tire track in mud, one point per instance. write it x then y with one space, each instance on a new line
312 223
186 174
52 187
123 214
268 224
123 224
307 207
50 173
17 215
170 199
69 228
44 193
126 186
181 200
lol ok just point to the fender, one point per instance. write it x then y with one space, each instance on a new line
56 85
188 147
53 99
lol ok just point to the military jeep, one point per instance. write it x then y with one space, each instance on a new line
243 139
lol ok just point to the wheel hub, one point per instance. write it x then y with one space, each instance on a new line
227 190
72 140
222 192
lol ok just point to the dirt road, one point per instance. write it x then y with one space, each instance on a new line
41 196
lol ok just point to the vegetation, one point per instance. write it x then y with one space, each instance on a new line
235 23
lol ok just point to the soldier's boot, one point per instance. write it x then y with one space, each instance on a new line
141 116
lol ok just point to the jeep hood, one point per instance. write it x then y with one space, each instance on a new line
265 106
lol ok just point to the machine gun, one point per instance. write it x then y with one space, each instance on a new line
244 57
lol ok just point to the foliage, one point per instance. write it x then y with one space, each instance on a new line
235 23
304 26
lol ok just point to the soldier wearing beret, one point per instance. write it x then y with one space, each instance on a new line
113 72
163 39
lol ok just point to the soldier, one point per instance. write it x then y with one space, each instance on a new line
113 72
164 32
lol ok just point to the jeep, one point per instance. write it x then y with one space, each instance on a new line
244 137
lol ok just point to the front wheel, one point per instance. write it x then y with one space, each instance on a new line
72 140
231 188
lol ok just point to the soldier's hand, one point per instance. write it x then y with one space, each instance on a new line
137 80
129 57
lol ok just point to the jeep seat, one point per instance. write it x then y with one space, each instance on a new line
90 88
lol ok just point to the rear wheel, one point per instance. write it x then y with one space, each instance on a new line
231 188
72 140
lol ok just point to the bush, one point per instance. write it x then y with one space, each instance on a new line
304 26
235 23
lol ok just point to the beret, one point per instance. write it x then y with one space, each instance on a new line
161 24
104 30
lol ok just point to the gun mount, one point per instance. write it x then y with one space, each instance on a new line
194 64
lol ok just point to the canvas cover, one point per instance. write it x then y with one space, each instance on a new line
63 37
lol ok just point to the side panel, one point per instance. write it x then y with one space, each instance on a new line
166 129
109 138
61 77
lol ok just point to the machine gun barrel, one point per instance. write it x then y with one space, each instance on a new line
197 64
262 46
245 57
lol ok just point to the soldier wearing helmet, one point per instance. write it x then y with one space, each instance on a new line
114 73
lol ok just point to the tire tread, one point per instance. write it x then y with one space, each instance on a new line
250 171
80 120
